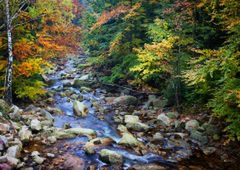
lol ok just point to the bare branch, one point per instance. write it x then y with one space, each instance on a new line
22 5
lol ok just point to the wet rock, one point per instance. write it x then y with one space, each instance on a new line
147 167
4 128
131 119
73 162
111 157
125 100
14 151
80 109
72 132
25 134
164 120
54 110
47 114
122 129
90 146
158 137
199 137
138 126
129 140
36 125
192 125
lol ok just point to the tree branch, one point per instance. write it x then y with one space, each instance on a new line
19 10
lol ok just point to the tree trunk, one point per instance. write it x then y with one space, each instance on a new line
9 70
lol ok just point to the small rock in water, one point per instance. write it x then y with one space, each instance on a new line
158 137
50 155
80 109
111 157
38 159
125 100
129 140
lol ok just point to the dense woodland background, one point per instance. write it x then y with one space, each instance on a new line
188 51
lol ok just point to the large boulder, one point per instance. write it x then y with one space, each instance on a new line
25 134
80 109
138 126
72 132
129 140
125 100
111 157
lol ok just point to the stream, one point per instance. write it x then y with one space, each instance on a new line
105 128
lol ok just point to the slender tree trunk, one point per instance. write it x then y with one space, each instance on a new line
9 70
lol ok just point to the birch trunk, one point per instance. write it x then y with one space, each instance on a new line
9 70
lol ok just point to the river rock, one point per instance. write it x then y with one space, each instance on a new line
164 119
138 126
125 100
79 83
36 125
192 125
73 162
111 157
72 132
90 146
122 129
80 109
131 119
47 114
4 128
129 140
14 151
25 134
209 150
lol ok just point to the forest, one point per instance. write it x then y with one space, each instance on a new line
119 84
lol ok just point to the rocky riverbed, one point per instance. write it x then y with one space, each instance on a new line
83 125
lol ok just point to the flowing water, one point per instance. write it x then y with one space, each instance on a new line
104 128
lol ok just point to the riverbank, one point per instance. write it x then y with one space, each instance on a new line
84 125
